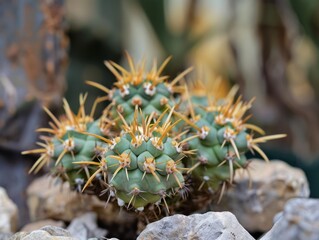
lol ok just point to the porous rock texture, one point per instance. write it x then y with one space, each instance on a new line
211 225
85 227
45 233
47 200
39 224
258 196
298 221
8 213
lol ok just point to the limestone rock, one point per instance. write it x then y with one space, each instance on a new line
272 185
45 233
36 225
5 236
8 213
211 225
85 227
298 221
46 199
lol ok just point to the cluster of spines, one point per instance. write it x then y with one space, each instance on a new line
148 91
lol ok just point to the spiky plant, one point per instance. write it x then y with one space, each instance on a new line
66 144
135 148
144 162
148 90
224 138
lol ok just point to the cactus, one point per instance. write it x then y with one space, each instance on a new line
144 161
68 145
148 91
224 138
136 149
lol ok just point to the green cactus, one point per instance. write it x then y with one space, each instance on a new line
149 91
224 138
139 146
144 162
68 145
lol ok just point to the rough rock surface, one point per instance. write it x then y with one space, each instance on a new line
49 200
39 224
5 236
298 221
256 203
85 227
45 233
8 213
211 225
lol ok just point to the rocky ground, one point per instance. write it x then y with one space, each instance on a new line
275 202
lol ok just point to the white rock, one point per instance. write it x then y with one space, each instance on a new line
39 224
85 227
298 221
8 213
47 200
272 185
45 233
211 225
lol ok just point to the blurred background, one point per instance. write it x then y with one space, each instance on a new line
270 48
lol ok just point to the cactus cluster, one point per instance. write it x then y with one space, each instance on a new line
153 136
